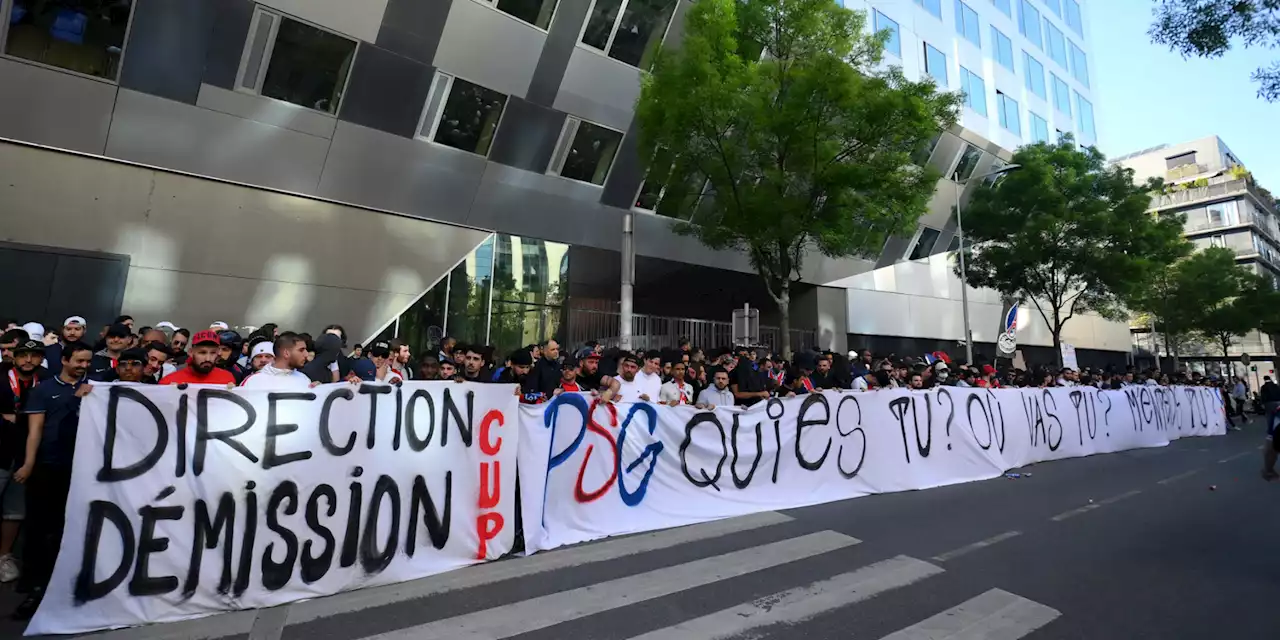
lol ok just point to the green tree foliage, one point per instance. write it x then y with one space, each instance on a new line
776 106
1240 312
1181 296
1067 233
1209 28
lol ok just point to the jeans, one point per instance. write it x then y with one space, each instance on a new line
47 490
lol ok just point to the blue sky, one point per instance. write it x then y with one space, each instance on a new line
1148 95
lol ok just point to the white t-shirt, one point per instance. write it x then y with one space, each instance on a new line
644 384
270 377
672 391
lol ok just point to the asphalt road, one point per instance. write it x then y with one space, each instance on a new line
1127 546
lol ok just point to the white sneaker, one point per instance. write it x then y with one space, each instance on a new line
8 568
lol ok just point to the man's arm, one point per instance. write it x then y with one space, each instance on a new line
35 431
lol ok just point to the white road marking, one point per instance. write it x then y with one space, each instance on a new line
981 544
797 605
1235 457
1180 476
994 615
549 610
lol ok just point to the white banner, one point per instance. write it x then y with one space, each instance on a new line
186 502
590 470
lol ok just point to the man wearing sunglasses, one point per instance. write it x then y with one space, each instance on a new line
131 365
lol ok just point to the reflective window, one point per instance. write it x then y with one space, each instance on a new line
932 6
935 64
535 12
1079 65
1035 75
1073 16
923 247
84 36
1003 49
1039 128
462 115
295 62
629 30
1057 44
1004 7
1061 95
1085 108
1010 116
1054 5
885 23
671 188
1029 22
585 151
975 91
967 23
968 162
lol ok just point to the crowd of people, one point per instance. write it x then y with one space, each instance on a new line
48 372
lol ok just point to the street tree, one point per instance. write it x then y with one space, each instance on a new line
1240 312
1178 296
1209 29
1068 234
792 137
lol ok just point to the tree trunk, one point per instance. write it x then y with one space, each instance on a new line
1057 346
784 310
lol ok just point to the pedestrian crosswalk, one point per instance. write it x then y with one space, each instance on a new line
677 584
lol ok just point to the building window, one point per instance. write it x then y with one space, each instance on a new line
1055 6
1085 108
894 43
1079 65
967 23
1224 214
1003 49
935 64
462 115
1039 128
1004 6
1179 160
968 162
1057 44
923 246
1219 241
630 31
1073 16
932 6
535 12
975 91
1010 116
1035 75
671 188
295 62
83 36
1061 95
921 156
1029 23
585 151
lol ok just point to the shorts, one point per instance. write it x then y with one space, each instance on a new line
13 497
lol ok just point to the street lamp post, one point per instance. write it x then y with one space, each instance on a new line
964 276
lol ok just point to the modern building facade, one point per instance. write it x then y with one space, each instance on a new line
331 161
1224 207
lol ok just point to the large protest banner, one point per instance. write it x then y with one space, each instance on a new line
590 470
186 502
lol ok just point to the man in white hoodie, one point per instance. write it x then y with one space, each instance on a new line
285 371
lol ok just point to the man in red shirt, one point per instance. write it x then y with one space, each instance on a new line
568 378
201 363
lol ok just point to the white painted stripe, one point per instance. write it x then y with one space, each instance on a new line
994 615
1075 512
1180 476
956 553
519 567
1115 499
549 610
239 623
1236 456
800 604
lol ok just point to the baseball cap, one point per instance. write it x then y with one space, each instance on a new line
627 356
74 320
205 337
119 331
262 348
380 349
364 369
219 326
133 355
34 329
521 358
569 363
988 369
587 354
165 324
29 346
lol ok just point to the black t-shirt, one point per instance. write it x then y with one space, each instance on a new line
592 381
61 408
13 435
102 367
748 380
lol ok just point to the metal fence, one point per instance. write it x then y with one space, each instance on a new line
657 332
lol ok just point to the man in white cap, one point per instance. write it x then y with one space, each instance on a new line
289 355
219 326
261 355
72 331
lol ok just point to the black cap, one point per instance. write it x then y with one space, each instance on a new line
119 331
627 356
379 349
29 346
135 354
569 363
521 358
